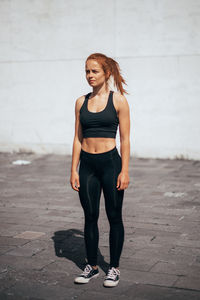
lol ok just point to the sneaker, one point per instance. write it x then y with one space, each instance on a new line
87 274
112 277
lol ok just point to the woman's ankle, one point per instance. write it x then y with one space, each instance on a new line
94 267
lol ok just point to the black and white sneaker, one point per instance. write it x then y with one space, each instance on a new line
87 274
112 277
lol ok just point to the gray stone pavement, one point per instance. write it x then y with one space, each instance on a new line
41 232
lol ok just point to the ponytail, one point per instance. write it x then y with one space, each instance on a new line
111 68
116 73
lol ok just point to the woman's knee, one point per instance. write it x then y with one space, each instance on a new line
91 217
114 217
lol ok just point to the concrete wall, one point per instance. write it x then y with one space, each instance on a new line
43 47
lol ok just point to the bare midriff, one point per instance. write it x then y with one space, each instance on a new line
98 144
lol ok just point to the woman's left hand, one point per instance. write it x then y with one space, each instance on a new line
122 181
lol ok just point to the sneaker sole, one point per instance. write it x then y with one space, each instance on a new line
84 280
111 283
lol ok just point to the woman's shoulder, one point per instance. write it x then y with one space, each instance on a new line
119 99
80 101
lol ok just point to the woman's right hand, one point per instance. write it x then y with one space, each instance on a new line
74 180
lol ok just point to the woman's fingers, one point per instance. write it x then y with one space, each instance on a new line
75 184
122 182
118 182
123 186
75 187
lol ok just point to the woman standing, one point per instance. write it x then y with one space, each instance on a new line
98 115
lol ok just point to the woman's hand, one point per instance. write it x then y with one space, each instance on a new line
122 181
74 180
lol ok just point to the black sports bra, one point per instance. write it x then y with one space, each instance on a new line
99 124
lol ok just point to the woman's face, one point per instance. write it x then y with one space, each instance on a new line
94 73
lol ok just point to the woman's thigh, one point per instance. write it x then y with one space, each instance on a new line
113 197
90 190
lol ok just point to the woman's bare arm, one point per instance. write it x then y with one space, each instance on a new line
74 180
124 130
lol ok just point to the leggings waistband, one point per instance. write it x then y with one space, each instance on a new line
106 154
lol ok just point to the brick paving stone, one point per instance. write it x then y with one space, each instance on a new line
10 241
161 279
163 254
188 282
62 219
180 269
5 249
23 221
29 249
30 235
23 263
143 264
149 292
7 279
43 291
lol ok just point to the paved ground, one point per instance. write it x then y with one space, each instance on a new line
41 232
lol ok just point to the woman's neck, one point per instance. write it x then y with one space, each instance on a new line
100 91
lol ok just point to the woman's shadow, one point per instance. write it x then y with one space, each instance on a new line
70 244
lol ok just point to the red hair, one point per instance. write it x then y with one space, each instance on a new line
110 67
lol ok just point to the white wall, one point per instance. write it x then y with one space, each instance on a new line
43 47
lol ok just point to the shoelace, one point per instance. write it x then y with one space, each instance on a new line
86 270
112 273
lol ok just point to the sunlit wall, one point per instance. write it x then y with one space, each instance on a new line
43 47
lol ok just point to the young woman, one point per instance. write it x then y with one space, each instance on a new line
98 115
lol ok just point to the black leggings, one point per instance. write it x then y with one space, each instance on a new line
96 172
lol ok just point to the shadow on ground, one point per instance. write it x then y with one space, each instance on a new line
70 244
